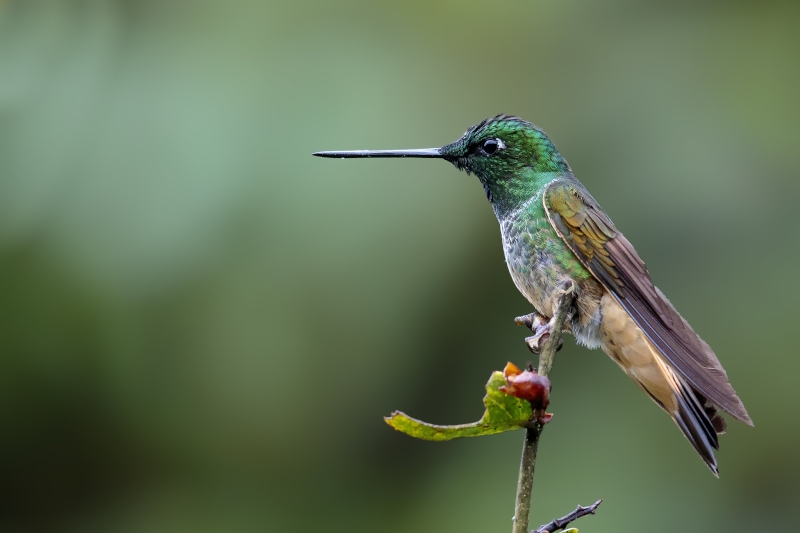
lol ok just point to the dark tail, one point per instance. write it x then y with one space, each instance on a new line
699 422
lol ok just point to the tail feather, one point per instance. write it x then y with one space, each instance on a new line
696 416
697 426
717 420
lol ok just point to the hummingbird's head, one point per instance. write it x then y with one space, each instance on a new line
503 150
508 155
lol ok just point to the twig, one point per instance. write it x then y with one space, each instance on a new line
561 523
534 429
552 343
525 481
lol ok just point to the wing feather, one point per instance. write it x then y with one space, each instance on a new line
593 238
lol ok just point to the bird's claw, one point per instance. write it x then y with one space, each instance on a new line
536 341
568 287
541 327
532 321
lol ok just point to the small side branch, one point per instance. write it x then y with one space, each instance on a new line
534 429
564 521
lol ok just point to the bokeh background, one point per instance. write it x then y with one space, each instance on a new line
201 325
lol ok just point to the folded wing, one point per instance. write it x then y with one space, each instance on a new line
602 249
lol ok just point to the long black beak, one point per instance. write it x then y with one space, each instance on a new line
425 152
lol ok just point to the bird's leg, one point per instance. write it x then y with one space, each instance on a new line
541 326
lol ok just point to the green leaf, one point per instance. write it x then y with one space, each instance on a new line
503 413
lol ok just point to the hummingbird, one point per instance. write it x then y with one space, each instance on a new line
554 235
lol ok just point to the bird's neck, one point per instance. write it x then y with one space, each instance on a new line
511 193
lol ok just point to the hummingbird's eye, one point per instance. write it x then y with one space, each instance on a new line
491 146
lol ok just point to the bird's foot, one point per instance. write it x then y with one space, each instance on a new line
531 321
567 287
541 326
540 336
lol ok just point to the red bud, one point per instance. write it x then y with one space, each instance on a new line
527 385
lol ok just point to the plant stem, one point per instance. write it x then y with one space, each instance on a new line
525 482
534 429
551 344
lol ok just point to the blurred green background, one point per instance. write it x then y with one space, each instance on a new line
202 325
